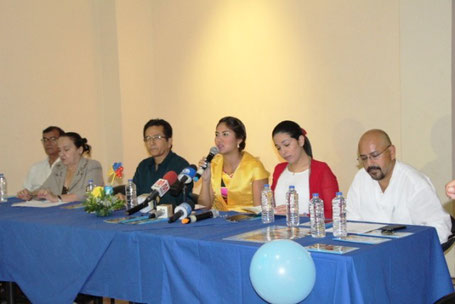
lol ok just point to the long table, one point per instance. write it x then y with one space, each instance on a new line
56 253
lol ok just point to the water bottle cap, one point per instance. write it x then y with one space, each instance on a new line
130 180
90 180
291 187
266 186
315 194
1 174
339 193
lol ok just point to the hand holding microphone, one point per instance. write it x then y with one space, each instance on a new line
158 189
203 164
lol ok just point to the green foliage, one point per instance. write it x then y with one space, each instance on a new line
101 203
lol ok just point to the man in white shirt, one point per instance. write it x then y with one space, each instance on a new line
386 190
40 171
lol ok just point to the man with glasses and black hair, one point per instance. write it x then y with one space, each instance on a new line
389 191
158 141
40 171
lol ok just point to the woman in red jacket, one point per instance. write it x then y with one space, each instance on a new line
300 169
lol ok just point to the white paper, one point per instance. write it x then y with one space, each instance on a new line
38 204
253 209
358 228
362 227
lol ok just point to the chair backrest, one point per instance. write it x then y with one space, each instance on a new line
448 299
451 238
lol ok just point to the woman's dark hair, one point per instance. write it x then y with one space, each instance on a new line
238 127
295 131
78 141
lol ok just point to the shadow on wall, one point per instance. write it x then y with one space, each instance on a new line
443 157
345 141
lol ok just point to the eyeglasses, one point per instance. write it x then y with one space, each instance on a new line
49 139
153 138
372 156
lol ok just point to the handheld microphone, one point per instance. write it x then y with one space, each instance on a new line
201 216
180 212
159 188
185 177
213 151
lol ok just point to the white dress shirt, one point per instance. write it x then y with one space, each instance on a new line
38 174
410 198
301 182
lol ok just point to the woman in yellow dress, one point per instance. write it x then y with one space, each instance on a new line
235 178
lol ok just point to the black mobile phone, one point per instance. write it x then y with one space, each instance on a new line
392 228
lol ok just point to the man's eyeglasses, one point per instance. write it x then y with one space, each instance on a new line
372 156
153 138
49 139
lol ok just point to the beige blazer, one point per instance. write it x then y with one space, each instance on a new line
87 169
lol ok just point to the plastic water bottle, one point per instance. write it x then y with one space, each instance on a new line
339 216
267 204
90 186
3 189
317 224
292 207
131 194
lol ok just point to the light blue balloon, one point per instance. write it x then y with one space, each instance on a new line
282 272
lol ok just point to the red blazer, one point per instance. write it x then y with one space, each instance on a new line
322 181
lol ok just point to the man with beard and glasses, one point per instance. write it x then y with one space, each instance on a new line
389 191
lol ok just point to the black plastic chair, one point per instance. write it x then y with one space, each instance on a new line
451 238
448 299
119 189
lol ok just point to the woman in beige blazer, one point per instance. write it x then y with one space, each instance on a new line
70 176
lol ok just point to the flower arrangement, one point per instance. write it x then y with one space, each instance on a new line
101 200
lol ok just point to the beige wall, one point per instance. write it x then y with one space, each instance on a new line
103 68
263 61
425 87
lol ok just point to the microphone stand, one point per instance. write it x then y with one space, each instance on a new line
184 191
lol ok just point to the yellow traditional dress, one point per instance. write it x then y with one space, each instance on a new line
239 186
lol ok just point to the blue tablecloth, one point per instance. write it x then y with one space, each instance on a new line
55 253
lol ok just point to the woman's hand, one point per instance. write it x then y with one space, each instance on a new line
47 195
24 194
280 210
207 172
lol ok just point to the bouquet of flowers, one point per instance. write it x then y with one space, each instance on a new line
102 201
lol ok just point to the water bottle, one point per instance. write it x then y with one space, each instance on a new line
317 224
131 194
292 207
339 216
267 203
3 189
90 186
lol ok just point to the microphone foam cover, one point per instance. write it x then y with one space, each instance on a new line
171 177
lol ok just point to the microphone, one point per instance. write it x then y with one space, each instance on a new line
159 188
213 151
201 216
185 177
180 212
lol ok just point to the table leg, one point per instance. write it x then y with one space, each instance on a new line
9 292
